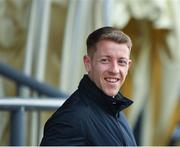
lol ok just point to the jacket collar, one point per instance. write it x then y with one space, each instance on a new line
112 105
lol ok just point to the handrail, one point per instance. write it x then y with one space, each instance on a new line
30 104
22 79
17 106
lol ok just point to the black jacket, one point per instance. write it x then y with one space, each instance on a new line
89 117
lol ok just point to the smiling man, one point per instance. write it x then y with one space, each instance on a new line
93 115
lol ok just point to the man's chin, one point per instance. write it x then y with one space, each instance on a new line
112 94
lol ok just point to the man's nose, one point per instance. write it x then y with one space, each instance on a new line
114 68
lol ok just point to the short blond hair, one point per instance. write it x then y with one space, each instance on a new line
106 33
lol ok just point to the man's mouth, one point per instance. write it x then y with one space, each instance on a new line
112 80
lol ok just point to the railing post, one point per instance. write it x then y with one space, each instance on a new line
17 128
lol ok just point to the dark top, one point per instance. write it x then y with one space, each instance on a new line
89 117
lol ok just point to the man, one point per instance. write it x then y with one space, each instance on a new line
93 113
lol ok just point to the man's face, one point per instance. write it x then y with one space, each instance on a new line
109 66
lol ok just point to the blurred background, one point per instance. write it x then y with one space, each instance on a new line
42 43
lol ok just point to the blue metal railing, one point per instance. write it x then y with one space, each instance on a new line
17 126
23 80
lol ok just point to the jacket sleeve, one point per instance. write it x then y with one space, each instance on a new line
63 131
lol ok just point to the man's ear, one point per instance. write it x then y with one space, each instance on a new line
87 63
130 63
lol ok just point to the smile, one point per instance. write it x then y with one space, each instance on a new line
112 80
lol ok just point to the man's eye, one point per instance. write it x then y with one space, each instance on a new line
104 60
123 62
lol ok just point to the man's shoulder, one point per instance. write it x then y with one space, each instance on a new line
75 102
73 108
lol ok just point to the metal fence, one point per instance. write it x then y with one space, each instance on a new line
18 105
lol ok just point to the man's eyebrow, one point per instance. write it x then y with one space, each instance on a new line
124 58
106 56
